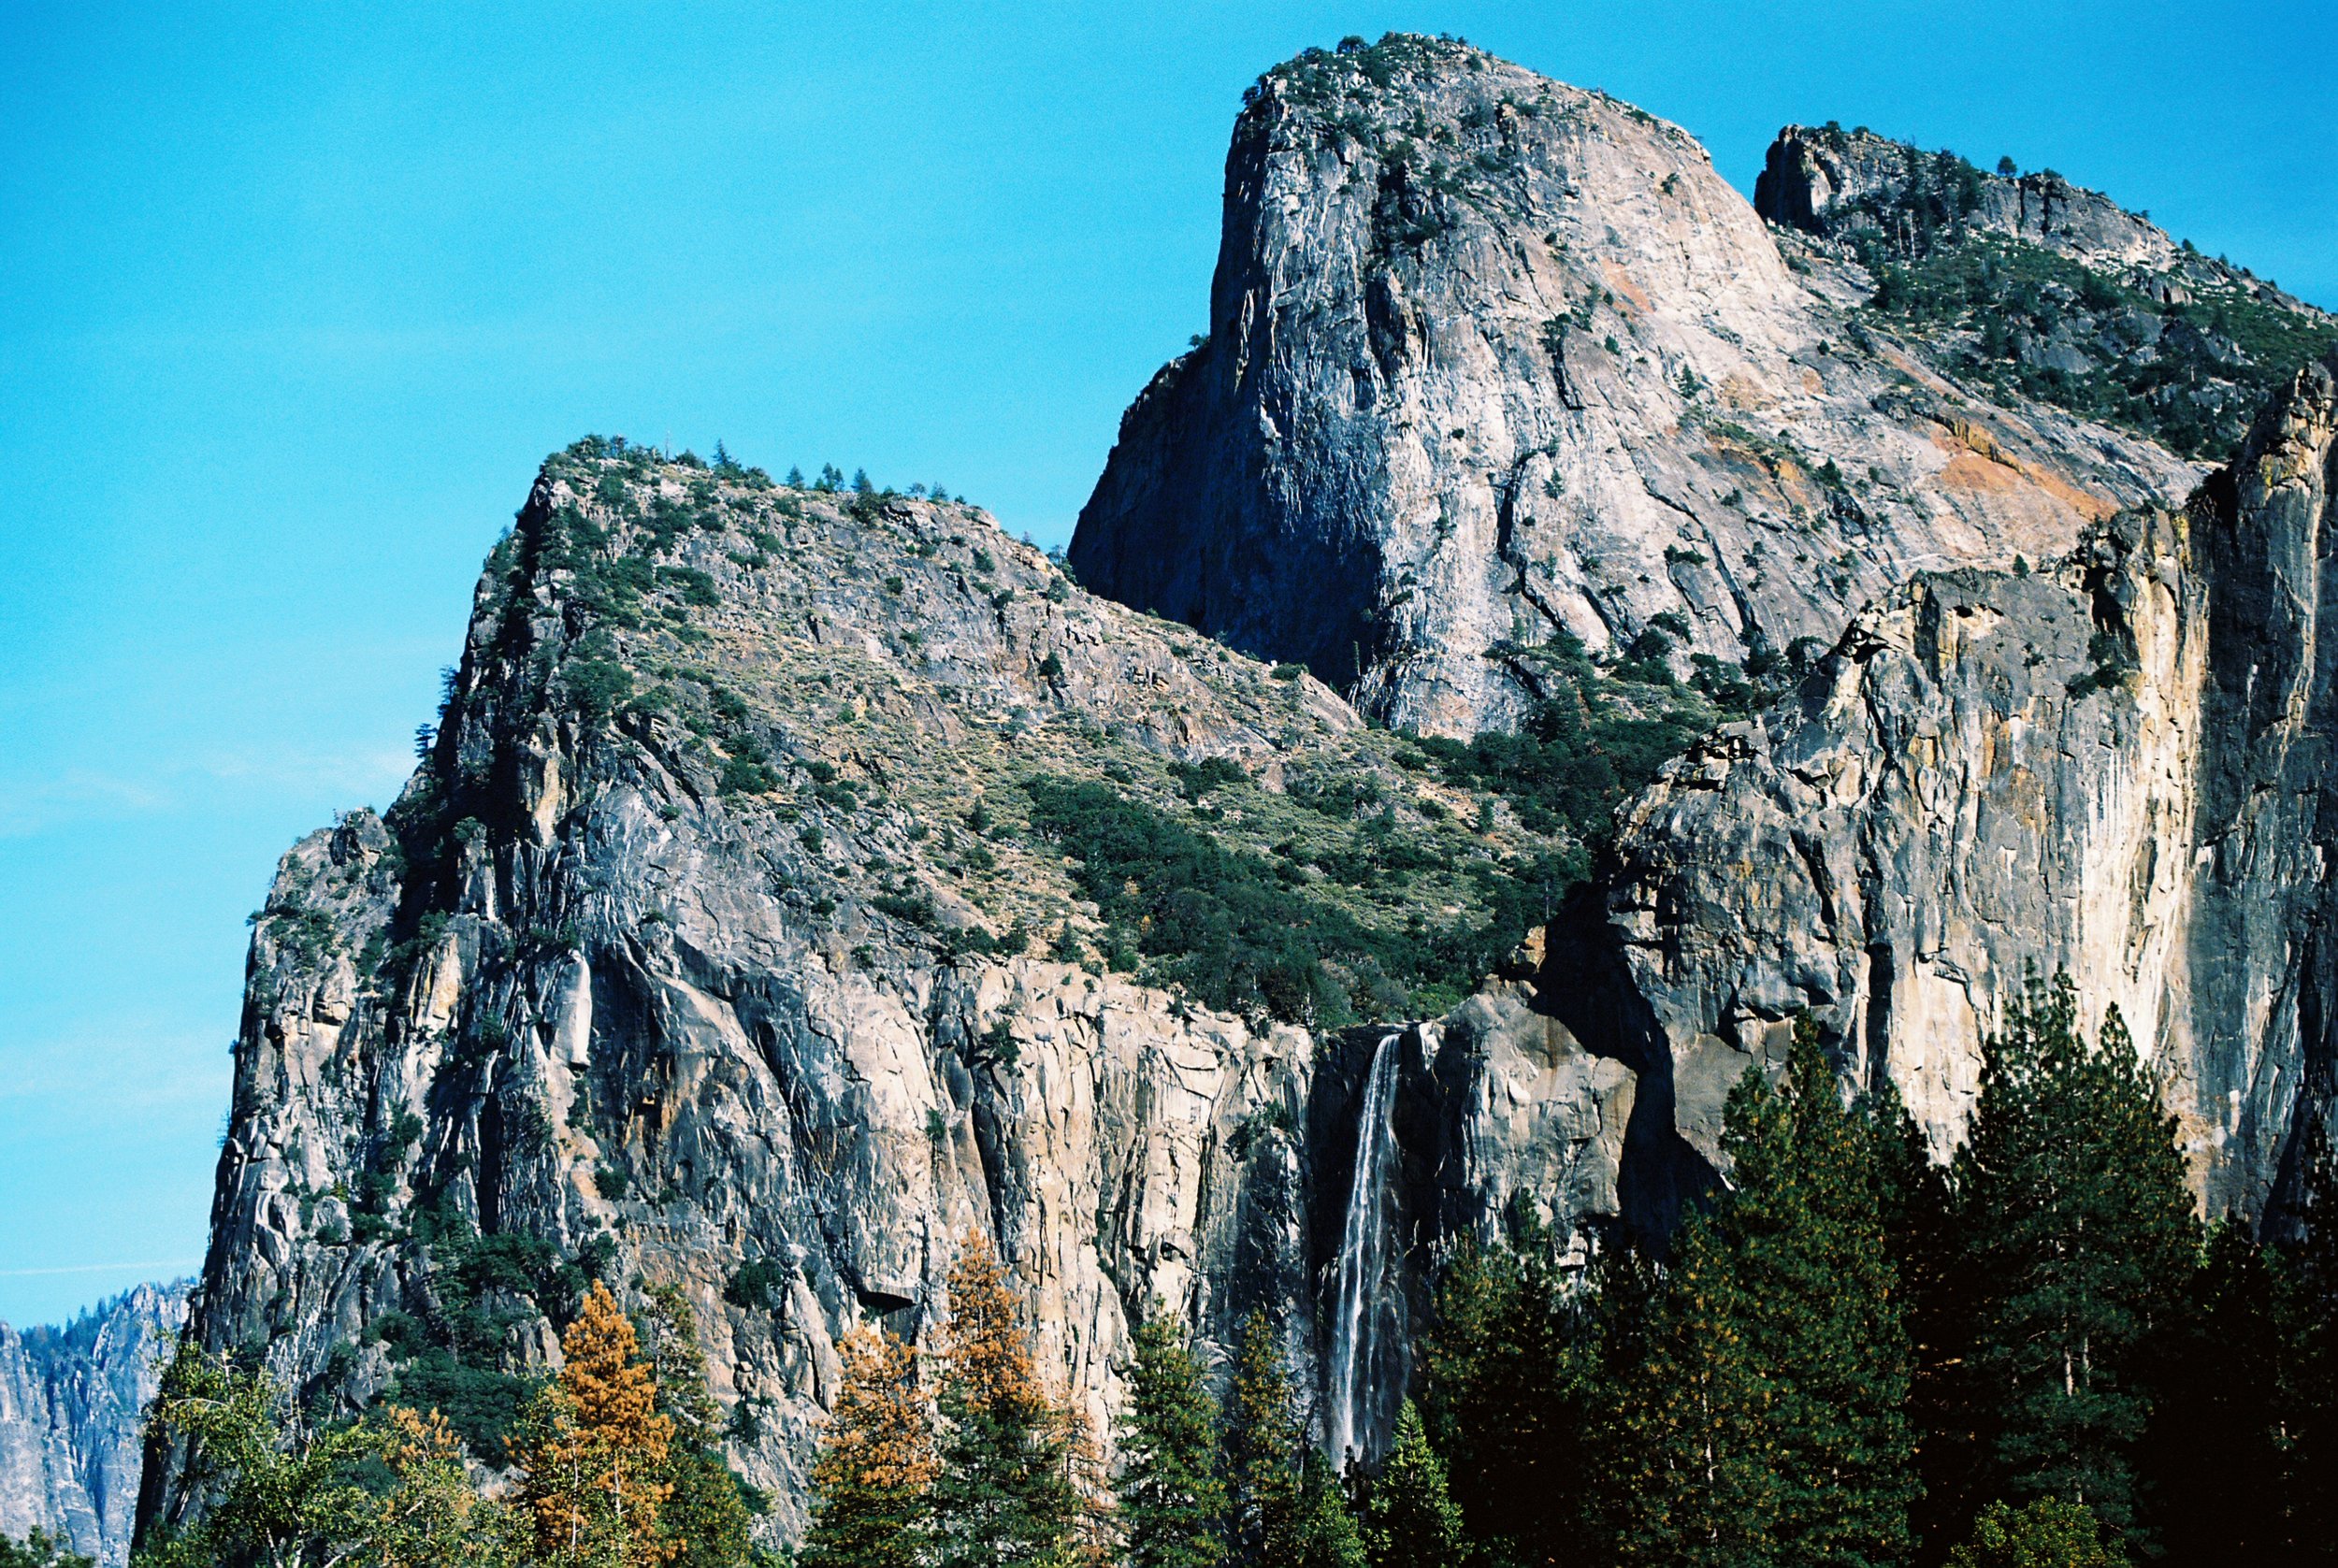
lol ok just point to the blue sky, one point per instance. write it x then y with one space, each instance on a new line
293 299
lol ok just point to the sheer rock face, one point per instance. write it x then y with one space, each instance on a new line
597 983
2119 765
72 1412
1490 358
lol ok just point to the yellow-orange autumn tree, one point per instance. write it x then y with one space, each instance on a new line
1016 1461
871 1484
593 1450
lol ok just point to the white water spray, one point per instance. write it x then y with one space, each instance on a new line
1362 1255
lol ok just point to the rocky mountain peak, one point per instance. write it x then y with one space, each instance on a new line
1825 180
1493 360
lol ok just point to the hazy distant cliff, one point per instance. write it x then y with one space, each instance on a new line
72 1404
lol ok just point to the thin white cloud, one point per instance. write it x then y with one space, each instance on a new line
28 807
351 776
103 1268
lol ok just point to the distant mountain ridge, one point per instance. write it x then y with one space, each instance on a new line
72 1408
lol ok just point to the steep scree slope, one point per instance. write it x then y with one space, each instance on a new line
1490 358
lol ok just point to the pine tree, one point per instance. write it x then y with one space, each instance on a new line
1767 1424
872 1504
2219 1458
594 1450
1410 1520
2076 1227
1170 1495
2310 1351
2049 1533
1325 1535
1911 1202
40 1549
704 1520
1506 1373
1692 1481
1006 1494
1263 1448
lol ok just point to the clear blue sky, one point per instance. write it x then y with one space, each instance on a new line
293 299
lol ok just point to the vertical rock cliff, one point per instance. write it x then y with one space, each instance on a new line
799 881
1492 359
2117 764
72 1415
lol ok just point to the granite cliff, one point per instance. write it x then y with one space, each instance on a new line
1492 359
2117 764
797 880
72 1411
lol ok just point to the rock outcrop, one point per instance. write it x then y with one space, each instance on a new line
1827 180
2117 765
1490 358
72 1420
2035 291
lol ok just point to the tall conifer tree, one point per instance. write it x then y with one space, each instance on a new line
2219 1458
1263 1443
1172 1501
872 1504
1410 1520
1006 1493
1767 1424
1506 1373
1935 1300
594 1450
2076 1227
703 1519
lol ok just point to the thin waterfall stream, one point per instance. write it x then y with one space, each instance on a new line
1362 1256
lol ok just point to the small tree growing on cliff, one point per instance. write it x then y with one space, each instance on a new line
872 1503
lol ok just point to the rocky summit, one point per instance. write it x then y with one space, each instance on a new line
1556 630
1492 360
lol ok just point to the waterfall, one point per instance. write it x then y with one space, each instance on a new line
1362 1258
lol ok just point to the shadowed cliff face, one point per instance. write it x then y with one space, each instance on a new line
2119 765
72 1415
1490 358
